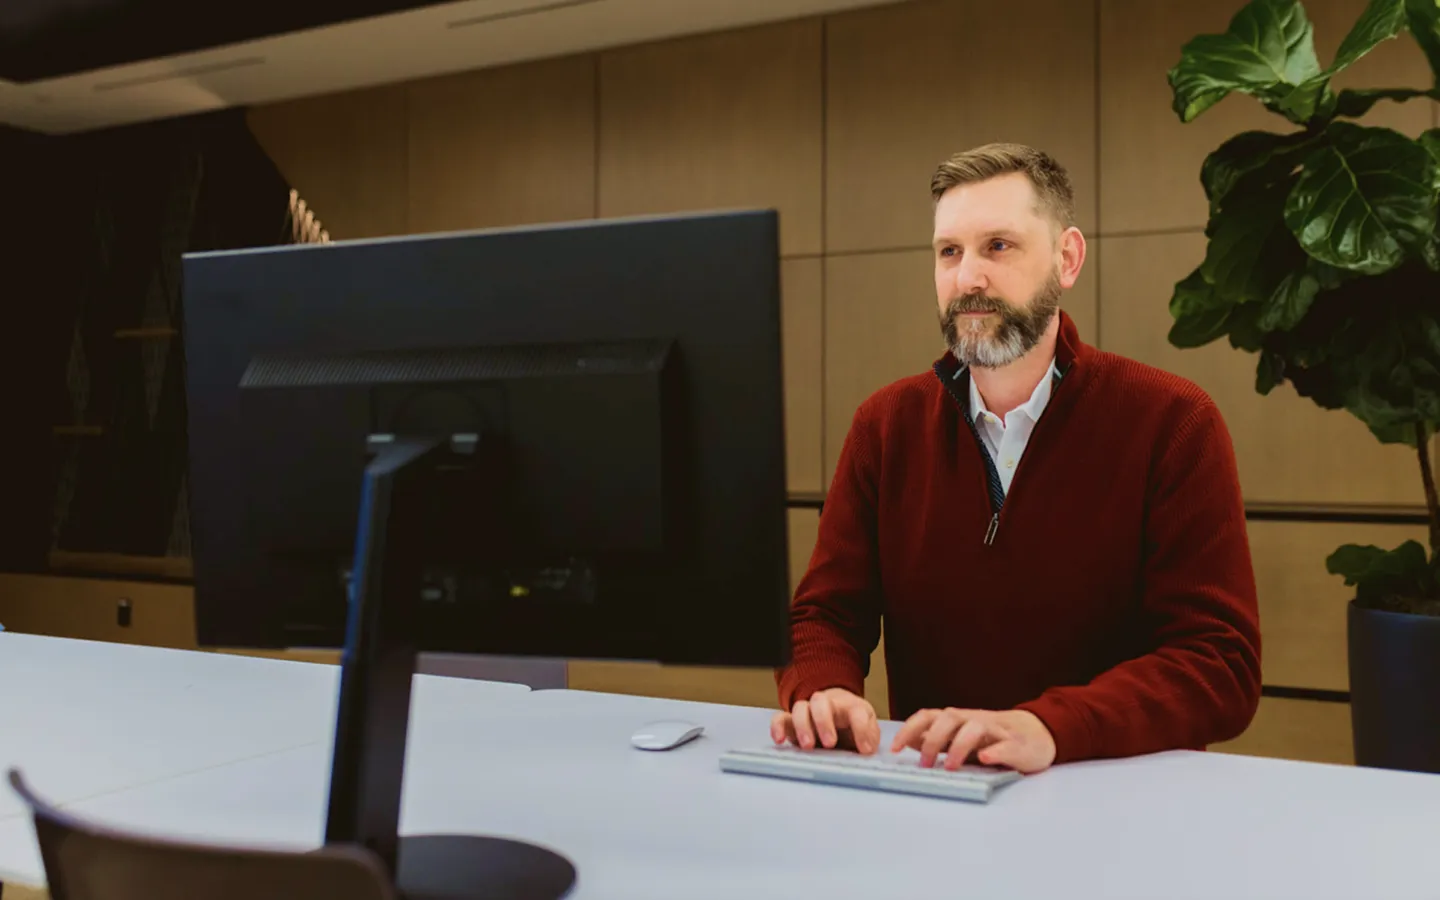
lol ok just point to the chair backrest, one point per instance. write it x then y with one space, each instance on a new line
86 861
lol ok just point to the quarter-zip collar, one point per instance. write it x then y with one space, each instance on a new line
1070 353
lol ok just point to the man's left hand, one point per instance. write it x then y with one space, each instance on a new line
1013 738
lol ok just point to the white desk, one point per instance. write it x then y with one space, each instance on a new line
83 718
555 767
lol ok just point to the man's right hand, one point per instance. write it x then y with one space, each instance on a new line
830 718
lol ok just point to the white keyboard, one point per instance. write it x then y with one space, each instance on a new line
896 773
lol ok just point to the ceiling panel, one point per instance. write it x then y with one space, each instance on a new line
49 38
424 40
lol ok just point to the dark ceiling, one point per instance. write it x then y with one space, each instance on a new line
42 39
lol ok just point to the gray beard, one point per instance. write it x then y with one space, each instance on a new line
974 343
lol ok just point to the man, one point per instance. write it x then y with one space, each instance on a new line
1053 536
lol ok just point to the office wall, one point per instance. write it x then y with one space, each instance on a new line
838 122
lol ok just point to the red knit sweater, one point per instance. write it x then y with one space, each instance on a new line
1114 598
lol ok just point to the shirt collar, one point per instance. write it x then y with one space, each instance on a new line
1032 408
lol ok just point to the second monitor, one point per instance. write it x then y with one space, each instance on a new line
616 387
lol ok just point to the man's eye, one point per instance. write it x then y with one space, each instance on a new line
998 245
948 251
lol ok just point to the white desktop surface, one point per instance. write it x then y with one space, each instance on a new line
82 718
556 767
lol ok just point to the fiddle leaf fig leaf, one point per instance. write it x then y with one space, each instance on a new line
1198 328
1251 250
1423 18
1245 154
1365 200
1290 300
1269 372
1430 140
1378 573
1268 51
1356 103
1198 313
1381 21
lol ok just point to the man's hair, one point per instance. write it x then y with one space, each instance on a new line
1051 183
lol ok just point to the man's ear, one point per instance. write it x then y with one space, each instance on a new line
1072 256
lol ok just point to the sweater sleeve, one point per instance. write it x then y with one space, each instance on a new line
835 616
1199 682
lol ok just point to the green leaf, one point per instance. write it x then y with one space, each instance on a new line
1380 21
1198 311
1290 301
1244 154
1200 314
1198 329
1357 102
1423 18
1365 199
1378 574
1429 334
1383 387
1430 140
1250 248
1269 372
1244 328
1268 52
1194 294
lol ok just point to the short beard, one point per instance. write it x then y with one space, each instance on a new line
1019 329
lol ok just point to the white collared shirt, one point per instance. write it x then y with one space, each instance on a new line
1006 440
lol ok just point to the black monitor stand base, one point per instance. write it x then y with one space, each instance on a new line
466 867
368 765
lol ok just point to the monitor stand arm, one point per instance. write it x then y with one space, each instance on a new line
368 763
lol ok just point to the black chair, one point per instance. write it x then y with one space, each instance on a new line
85 861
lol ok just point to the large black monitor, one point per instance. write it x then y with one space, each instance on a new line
561 441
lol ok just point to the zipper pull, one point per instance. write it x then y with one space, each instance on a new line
994 527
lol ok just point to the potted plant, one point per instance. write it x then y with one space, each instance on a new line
1323 260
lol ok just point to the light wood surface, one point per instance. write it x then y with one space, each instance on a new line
803 317
347 154
1306 730
717 122
510 146
910 84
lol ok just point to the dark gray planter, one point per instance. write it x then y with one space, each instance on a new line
1395 689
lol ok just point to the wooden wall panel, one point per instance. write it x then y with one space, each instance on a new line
1289 450
910 84
347 156
803 317
1306 730
881 325
160 615
510 146
1303 607
1149 161
719 121
804 531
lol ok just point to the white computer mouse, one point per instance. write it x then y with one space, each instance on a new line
665 735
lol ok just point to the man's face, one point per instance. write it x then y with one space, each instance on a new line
1001 265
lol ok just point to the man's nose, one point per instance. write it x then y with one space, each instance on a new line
970 277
